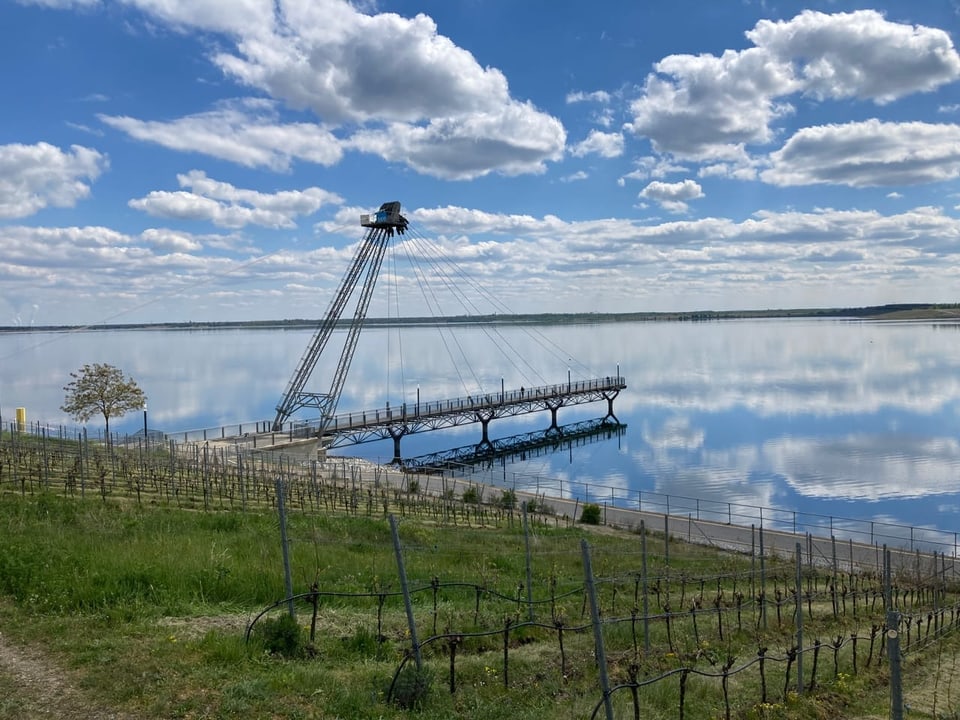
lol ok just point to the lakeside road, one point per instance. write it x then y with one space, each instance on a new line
845 555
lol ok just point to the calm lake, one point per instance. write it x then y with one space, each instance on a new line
846 419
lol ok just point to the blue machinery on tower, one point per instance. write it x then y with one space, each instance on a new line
335 430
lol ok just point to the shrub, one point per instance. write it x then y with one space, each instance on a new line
280 636
508 500
410 687
413 487
590 515
470 495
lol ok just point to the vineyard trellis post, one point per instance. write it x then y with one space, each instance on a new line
799 618
526 542
287 576
666 537
408 605
893 642
597 628
646 598
763 582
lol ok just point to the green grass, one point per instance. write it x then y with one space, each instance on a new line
144 607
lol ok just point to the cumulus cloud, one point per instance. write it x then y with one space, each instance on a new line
228 206
515 141
649 166
33 177
708 108
165 239
608 145
412 94
348 66
246 132
599 96
542 263
673 196
869 153
860 54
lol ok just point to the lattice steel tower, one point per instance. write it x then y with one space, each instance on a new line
369 257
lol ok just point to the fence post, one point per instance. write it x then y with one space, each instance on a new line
597 628
646 601
526 542
753 567
893 643
763 582
833 592
799 619
398 551
287 577
666 540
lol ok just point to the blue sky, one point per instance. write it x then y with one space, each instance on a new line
208 160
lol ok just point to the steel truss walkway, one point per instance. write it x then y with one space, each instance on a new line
409 418
523 447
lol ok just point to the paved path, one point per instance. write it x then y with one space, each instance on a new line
821 551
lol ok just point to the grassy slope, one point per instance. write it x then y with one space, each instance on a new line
145 608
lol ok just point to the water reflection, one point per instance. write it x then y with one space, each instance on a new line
834 417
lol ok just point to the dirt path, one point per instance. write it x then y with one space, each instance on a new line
32 687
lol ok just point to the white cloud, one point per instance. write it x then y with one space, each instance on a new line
517 140
347 66
673 196
728 170
242 16
33 177
599 96
246 132
164 239
579 175
712 106
607 145
228 206
860 54
894 195
869 153
649 166
537 263
415 96
709 108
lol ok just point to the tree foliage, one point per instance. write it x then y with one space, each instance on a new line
101 388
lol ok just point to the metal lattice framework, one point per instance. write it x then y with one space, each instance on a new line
381 228
397 422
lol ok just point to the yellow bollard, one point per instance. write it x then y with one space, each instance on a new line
21 419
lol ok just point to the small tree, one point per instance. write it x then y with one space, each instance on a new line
101 388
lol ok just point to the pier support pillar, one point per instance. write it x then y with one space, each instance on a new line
610 398
484 420
553 415
396 435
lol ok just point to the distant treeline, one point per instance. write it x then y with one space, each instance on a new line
898 311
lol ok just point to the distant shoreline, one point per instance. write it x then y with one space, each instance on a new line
902 311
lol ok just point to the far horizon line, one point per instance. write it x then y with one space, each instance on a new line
890 311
